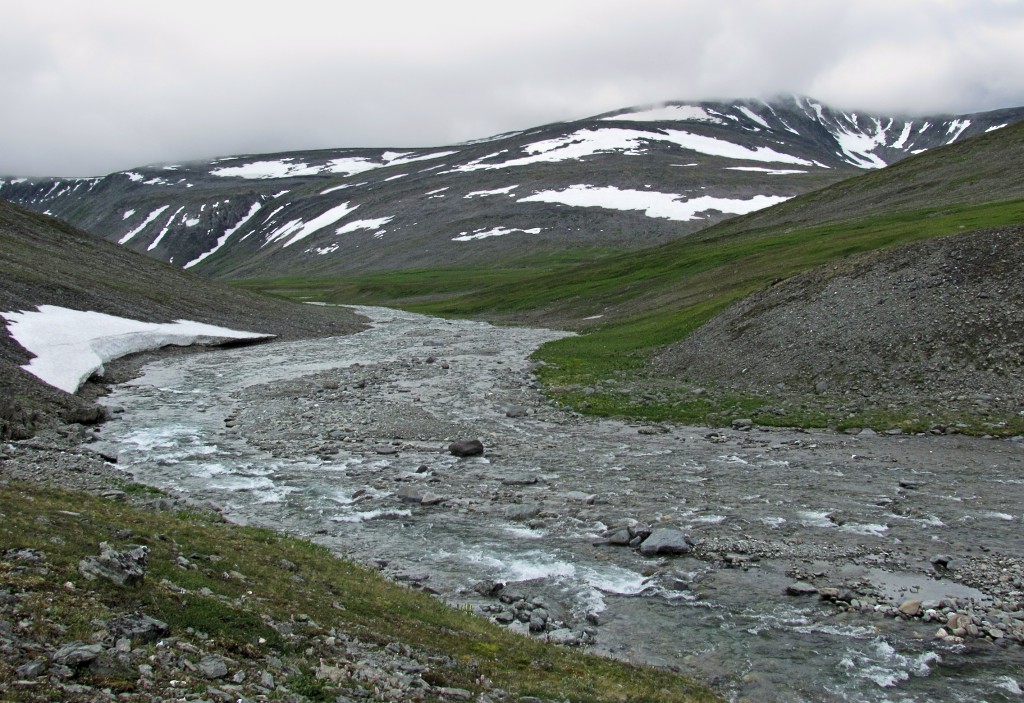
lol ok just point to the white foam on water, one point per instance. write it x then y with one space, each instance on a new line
239 483
773 522
811 518
708 519
371 515
885 667
1009 684
865 529
998 516
523 532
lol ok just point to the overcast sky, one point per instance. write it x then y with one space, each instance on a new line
93 87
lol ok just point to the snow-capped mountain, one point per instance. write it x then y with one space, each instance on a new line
626 179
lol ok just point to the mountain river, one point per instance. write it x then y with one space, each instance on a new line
345 441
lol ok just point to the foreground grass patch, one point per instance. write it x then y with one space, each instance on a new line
237 583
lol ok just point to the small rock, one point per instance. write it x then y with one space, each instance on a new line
127 568
77 653
801 588
138 628
31 670
910 608
488 588
466 447
213 667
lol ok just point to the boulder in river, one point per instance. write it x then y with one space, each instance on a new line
466 447
665 540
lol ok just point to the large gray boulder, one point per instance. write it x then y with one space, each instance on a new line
665 540
466 447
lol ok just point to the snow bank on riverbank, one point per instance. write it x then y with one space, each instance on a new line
71 345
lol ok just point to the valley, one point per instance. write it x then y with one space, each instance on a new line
344 441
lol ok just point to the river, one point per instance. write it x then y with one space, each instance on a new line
344 441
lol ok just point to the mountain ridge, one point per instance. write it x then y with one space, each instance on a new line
622 180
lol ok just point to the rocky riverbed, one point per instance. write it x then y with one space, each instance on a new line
779 565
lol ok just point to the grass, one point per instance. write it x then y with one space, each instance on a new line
238 568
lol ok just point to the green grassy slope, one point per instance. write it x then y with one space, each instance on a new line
238 590
626 306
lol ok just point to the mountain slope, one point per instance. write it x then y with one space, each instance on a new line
641 307
47 262
621 181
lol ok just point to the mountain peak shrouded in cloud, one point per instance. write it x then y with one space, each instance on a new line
91 89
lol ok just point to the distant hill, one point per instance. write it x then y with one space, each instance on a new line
621 181
47 262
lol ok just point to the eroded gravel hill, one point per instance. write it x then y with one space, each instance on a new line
939 324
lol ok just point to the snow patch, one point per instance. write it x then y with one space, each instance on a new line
484 233
956 128
680 113
224 237
995 127
364 224
152 216
127 214
753 116
484 193
858 147
769 171
167 226
297 230
71 345
654 204
902 141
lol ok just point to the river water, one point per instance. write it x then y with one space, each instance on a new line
319 437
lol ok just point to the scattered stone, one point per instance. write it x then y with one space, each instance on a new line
138 628
519 480
77 654
213 667
466 447
910 608
127 568
488 588
32 669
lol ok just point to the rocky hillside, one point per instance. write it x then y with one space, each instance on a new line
937 325
46 262
624 180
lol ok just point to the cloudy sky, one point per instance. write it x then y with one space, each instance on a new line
93 87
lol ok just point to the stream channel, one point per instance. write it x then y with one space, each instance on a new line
344 441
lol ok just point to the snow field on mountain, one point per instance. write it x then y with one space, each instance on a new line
350 165
631 142
70 345
653 204
681 113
